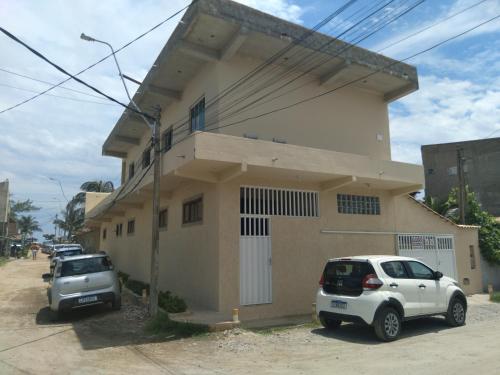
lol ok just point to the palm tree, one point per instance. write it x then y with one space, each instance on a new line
72 219
28 225
97 186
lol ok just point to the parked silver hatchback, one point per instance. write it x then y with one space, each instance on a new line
80 281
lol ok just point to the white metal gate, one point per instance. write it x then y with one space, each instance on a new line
255 260
436 250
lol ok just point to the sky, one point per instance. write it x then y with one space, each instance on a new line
55 141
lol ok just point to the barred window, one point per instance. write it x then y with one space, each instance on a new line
146 157
197 116
279 202
167 139
119 230
192 211
131 226
358 204
163 218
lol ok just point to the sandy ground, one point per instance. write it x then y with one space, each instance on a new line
99 341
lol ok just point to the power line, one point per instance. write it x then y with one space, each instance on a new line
101 60
62 70
431 26
48 83
355 80
56 96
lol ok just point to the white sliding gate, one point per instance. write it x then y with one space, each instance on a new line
436 250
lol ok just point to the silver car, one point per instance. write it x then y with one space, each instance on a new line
81 281
63 252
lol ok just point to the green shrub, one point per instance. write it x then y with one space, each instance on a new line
171 303
162 325
137 286
3 261
495 297
124 276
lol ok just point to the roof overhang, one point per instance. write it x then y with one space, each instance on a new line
215 30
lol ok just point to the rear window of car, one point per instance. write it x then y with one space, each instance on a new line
69 253
346 277
84 266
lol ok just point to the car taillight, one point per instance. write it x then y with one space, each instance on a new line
322 280
372 282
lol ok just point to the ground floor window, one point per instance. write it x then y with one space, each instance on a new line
358 204
131 226
192 211
163 218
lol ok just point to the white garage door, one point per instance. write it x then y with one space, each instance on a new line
437 251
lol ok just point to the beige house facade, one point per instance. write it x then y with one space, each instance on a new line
253 203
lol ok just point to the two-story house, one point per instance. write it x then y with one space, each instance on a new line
253 203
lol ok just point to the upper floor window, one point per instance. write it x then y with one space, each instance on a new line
131 170
167 139
358 204
197 116
146 157
119 230
104 233
192 211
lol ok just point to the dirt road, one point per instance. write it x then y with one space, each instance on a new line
103 342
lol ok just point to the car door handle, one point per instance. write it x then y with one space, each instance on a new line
422 286
393 285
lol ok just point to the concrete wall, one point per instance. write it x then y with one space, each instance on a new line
300 251
482 173
188 252
491 275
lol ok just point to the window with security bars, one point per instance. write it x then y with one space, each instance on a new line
254 226
278 202
197 116
358 204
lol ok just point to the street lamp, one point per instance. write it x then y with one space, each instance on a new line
155 130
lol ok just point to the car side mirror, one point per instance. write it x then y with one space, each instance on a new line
46 277
438 275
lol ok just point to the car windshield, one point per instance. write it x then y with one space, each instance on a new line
84 266
69 252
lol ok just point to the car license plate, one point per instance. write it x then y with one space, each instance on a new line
336 304
88 299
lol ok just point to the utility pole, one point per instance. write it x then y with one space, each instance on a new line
55 230
154 126
155 238
462 201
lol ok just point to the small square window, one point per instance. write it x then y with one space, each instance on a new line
163 218
131 227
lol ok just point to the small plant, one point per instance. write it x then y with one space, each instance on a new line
161 325
137 286
171 303
495 297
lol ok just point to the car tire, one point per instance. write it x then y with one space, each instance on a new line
329 323
457 312
387 324
54 315
117 303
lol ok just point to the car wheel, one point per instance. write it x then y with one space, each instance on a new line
330 324
456 314
117 303
388 324
54 315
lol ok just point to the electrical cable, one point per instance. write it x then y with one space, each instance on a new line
101 60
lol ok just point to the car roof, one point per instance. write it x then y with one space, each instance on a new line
372 258
83 256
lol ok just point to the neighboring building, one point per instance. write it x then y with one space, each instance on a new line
481 169
4 216
250 213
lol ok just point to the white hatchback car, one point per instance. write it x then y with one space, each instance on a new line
384 291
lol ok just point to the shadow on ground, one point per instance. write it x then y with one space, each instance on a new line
363 334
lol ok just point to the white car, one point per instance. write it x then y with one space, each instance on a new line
384 291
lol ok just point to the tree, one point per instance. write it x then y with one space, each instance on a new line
17 207
72 219
97 186
49 237
489 231
27 225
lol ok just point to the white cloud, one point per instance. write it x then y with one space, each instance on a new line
443 110
279 8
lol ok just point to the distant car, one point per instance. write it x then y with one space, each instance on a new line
384 291
81 281
47 246
64 245
64 252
